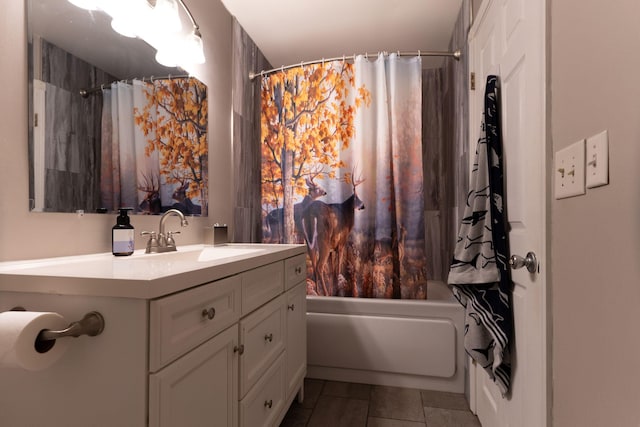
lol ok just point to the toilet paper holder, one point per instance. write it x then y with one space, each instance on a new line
91 324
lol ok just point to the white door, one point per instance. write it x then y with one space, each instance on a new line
508 39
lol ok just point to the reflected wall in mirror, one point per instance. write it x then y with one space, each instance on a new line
138 136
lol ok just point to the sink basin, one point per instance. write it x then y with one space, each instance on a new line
220 252
199 254
215 253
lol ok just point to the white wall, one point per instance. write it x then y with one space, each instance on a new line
595 239
26 235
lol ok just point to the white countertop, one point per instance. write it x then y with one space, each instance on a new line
140 275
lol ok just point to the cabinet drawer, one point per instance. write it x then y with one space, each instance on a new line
295 270
182 321
261 285
263 405
262 334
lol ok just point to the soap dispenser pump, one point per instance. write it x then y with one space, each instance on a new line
122 234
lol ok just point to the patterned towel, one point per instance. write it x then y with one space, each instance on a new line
479 275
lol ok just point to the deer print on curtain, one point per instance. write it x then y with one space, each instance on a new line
342 173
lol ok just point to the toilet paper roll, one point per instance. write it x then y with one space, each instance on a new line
18 333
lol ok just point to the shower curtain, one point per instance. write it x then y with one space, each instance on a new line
154 146
342 173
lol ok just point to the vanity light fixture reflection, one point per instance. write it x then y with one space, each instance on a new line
129 18
160 26
167 16
86 4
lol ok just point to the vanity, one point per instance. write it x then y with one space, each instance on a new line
207 335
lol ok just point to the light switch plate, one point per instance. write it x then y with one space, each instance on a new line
569 171
598 160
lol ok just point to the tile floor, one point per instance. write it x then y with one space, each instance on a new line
338 404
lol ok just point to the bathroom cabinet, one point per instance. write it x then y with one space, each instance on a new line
227 352
260 357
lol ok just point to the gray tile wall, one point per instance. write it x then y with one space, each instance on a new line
72 153
246 136
445 153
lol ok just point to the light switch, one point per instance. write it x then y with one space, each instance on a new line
569 171
598 160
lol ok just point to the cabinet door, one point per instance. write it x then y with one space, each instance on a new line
296 345
200 388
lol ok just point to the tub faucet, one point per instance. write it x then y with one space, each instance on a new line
163 241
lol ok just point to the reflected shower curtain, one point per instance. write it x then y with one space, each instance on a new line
342 173
154 146
122 144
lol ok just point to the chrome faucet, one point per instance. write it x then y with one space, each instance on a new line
163 241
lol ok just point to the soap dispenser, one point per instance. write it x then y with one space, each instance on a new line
122 234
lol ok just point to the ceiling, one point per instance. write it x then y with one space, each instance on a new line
291 31
286 31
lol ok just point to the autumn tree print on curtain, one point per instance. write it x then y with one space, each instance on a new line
306 120
342 173
155 150
174 122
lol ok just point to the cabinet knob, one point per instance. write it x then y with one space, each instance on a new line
298 270
291 307
268 337
208 313
268 403
239 349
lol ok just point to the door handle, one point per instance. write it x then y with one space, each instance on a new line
530 261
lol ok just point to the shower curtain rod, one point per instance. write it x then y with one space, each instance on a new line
86 92
455 55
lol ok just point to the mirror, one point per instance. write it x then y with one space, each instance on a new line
136 138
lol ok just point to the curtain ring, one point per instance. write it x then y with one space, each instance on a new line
419 54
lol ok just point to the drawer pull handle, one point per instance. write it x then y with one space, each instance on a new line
238 349
298 270
208 313
268 403
291 307
268 337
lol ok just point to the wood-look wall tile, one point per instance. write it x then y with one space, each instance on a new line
72 152
246 136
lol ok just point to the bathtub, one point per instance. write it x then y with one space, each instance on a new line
403 343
